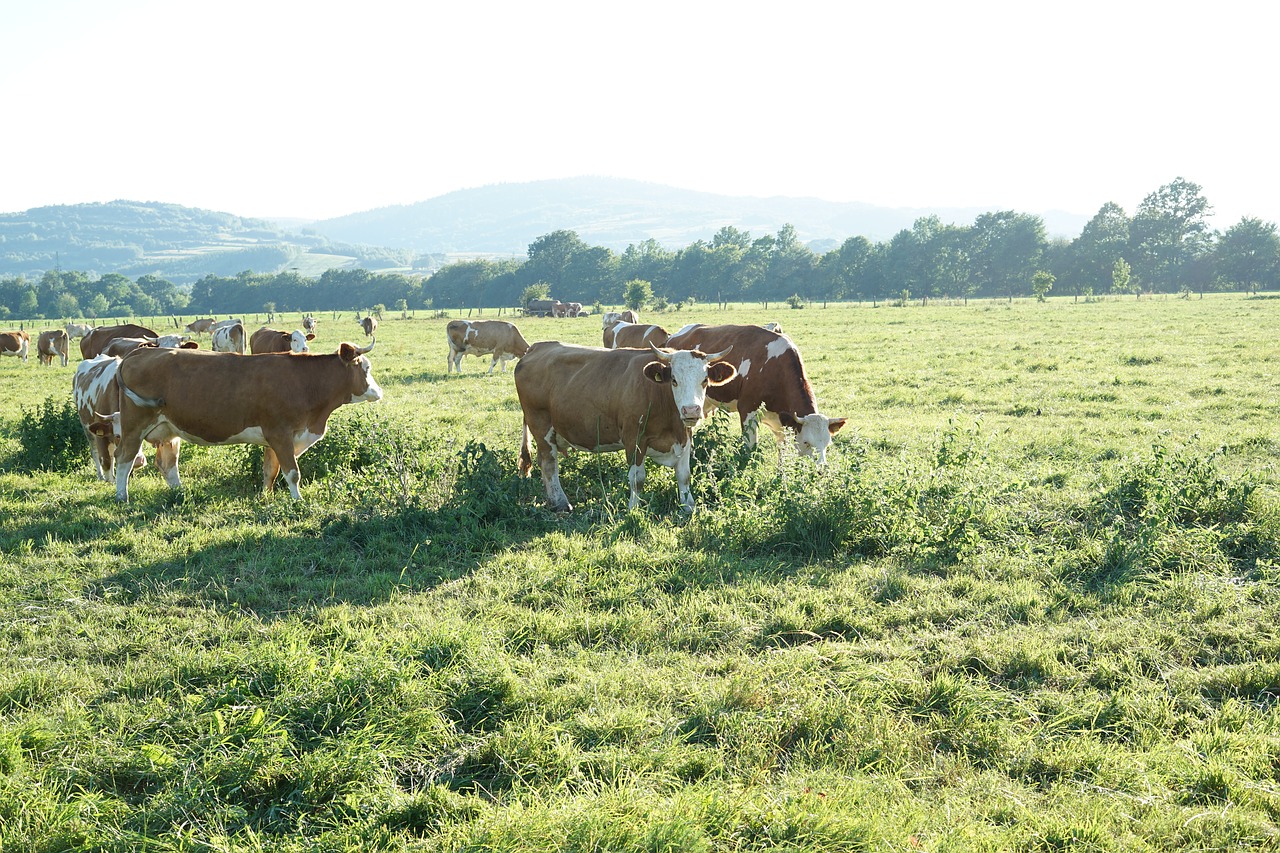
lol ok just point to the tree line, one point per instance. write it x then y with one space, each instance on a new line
1165 247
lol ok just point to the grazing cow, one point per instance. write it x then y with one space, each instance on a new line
199 327
482 337
274 340
575 308
206 397
370 325
97 400
770 373
120 347
52 344
624 334
608 318
78 330
96 341
229 338
15 343
773 327
309 324
644 402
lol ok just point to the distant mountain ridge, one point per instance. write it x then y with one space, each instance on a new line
616 213
183 244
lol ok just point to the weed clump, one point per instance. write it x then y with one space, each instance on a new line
50 437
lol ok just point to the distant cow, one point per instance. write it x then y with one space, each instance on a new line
624 334
206 397
608 318
15 344
644 402
370 325
274 340
309 324
78 330
96 341
199 327
575 308
120 347
52 344
229 338
97 400
774 327
483 337
770 374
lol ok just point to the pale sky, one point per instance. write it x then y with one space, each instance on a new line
313 108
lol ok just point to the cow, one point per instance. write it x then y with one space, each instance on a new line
78 330
97 400
309 324
222 324
770 373
482 337
643 402
199 327
120 347
52 344
15 344
96 341
208 397
608 318
774 327
624 334
273 340
229 338
370 325
575 309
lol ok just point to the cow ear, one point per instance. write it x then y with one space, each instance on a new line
310 336
101 428
188 345
348 352
835 425
721 372
658 372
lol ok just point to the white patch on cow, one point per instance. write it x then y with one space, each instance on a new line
684 329
814 436
745 367
373 393
250 435
777 347
291 479
688 384
92 378
302 441
298 342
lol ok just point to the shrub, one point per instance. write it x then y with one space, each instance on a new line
51 437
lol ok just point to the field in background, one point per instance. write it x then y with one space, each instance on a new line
1031 604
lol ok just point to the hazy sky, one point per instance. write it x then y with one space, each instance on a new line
293 108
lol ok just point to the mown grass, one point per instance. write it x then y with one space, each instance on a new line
1029 605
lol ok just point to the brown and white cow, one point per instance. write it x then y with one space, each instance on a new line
206 397
273 340
770 374
229 338
50 345
624 334
15 344
644 402
309 324
199 327
369 325
120 347
96 341
484 337
97 400
78 330
608 318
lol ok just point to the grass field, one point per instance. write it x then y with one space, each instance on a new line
1031 604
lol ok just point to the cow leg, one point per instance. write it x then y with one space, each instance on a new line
683 466
126 451
750 429
100 449
285 460
270 469
450 360
167 461
635 476
494 364
550 468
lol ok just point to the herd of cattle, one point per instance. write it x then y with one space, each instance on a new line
644 392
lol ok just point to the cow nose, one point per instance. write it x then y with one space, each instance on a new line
688 412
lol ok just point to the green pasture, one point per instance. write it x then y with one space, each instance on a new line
1030 604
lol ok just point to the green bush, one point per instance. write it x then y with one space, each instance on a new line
51 437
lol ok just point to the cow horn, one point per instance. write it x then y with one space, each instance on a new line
665 356
363 350
721 354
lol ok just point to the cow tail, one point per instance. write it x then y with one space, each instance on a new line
526 451
135 398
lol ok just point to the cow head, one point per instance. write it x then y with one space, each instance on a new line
813 432
363 387
689 372
298 341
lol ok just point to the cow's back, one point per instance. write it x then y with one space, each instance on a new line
770 369
96 341
578 383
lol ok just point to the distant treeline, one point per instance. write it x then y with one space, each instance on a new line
1165 247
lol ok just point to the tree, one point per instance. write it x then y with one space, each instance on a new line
1169 231
1103 241
549 257
1248 255
1041 284
1121 280
1005 249
637 293
537 290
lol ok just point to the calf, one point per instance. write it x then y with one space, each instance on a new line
283 404
770 374
50 345
273 340
483 337
643 402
